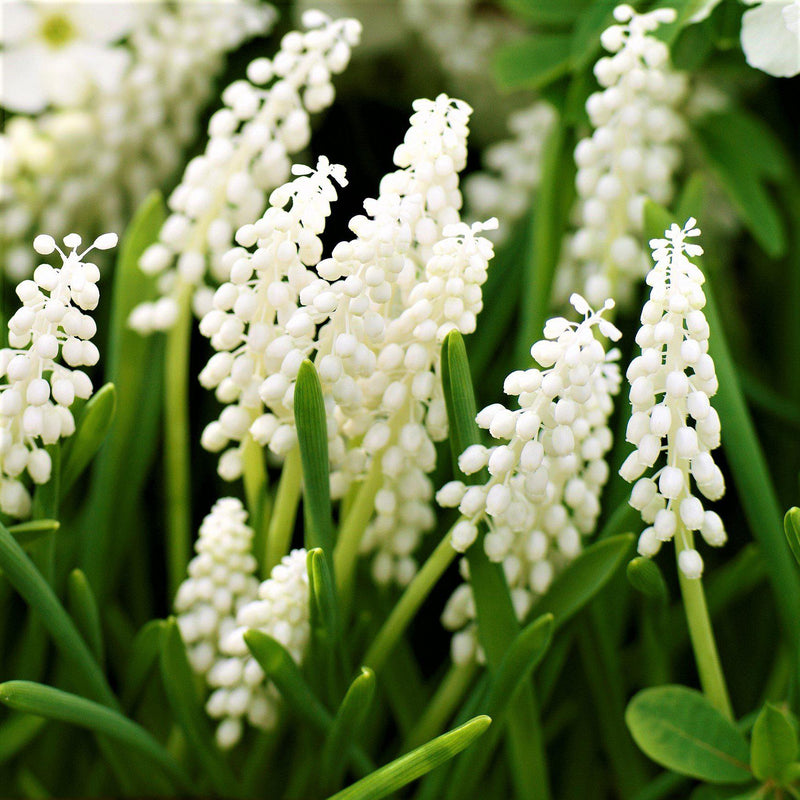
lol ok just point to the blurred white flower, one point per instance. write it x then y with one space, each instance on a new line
57 53
771 37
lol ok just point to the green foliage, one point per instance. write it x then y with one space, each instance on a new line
83 608
533 62
415 764
774 744
645 576
791 527
27 532
679 729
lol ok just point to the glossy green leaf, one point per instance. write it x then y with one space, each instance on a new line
27 532
28 581
187 710
45 701
774 744
312 434
791 527
415 764
346 728
90 431
83 608
583 578
533 62
679 729
645 576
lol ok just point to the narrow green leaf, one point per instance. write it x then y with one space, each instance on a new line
679 729
144 654
547 12
751 476
17 732
582 579
774 744
91 429
791 527
525 653
533 62
83 607
312 434
45 701
415 764
179 685
345 729
281 669
645 576
28 581
27 532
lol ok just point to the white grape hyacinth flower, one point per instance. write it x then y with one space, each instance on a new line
240 690
771 36
630 156
57 53
38 391
542 495
672 382
221 579
265 120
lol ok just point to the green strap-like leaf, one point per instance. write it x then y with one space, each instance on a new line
533 62
680 729
45 701
28 581
791 527
91 429
27 532
17 732
83 607
312 434
774 744
415 764
583 578
179 685
144 654
345 729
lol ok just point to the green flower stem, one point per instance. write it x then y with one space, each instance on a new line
408 605
284 511
176 441
255 479
442 705
700 632
351 530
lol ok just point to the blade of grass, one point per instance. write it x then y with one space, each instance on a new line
83 607
27 532
45 701
408 768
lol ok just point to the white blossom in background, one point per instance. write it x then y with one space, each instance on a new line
771 36
115 134
240 690
630 156
264 121
221 579
372 315
671 383
542 494
512 169
38 391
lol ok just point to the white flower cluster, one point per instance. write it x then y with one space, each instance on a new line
374 314
221 579
38 392
91 158
675 365
512 169
281 610
544 483
265 120
630 156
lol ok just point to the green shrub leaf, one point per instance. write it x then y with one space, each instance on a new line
679 729
774 744
534 61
